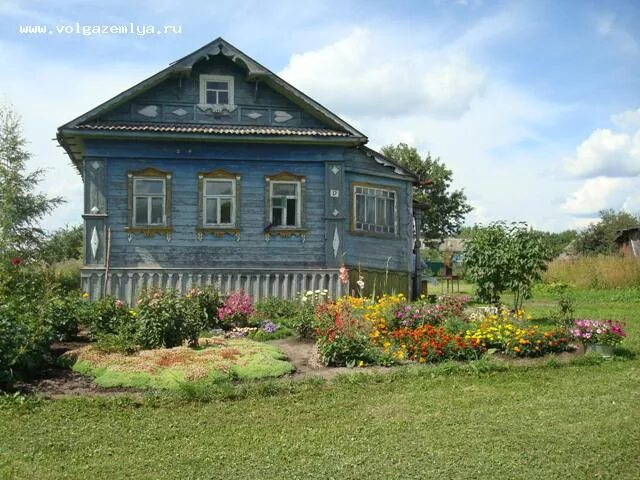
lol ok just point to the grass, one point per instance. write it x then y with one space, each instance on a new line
603 271
476 420
217 361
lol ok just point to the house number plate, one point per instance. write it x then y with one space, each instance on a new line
335 193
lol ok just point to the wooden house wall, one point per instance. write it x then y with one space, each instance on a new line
253 162
176 95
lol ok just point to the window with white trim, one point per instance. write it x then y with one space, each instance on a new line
285 203
149 201
374 209
219 202
216 90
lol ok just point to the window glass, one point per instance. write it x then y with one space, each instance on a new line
374 210
218 187
148 187
217 86
156 210
141 214
285 189
291 212
225 211
211 213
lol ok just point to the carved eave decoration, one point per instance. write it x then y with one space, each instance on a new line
285 176
149 172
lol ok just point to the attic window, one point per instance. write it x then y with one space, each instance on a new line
216 90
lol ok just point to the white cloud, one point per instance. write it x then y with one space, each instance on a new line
609 153
627 120
599 193
366 76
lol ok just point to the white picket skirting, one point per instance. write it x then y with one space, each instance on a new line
126 283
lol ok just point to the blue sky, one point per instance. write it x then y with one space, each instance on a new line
535 105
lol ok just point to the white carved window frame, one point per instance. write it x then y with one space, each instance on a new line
149 197
219 197
297 197
216 78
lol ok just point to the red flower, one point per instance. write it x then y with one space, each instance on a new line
16 261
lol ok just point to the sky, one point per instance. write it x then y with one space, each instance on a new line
534 105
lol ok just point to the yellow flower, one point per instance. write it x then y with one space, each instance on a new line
360 364
85 295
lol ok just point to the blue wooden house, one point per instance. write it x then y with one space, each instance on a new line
215 171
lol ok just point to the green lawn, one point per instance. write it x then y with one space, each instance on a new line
576 421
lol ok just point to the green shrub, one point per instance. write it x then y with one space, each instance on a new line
67 275
276 309
122 342
166 320
65 313
24 336
209 302
108 315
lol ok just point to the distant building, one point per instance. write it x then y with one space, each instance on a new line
628 241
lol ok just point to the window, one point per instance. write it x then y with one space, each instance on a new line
216 90
149 201
285 204
374 209
219 202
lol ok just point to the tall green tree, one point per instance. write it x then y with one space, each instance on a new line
21 208
505 257
598 238
445 208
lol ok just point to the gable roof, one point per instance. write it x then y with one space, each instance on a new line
255 71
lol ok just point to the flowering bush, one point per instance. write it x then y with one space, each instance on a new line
533 343
509 332
236 309
428 343
420 313
343 337
605 332
209 302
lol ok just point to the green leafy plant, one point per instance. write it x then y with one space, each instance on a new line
504 257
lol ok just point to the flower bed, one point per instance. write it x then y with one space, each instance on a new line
357 331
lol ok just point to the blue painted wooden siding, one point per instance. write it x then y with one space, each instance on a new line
370 251
184 93
185 250
252 161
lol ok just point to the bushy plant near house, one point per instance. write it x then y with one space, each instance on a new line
166 320
108 315
280 310
236 310
24 334
208 301
505 257
342 336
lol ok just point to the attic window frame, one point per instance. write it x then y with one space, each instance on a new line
228 79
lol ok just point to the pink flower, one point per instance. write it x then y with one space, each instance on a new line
344 274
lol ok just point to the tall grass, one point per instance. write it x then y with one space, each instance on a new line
603 271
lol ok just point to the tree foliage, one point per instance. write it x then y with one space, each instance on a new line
21 208
598 238
505 257
445 208
63 244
